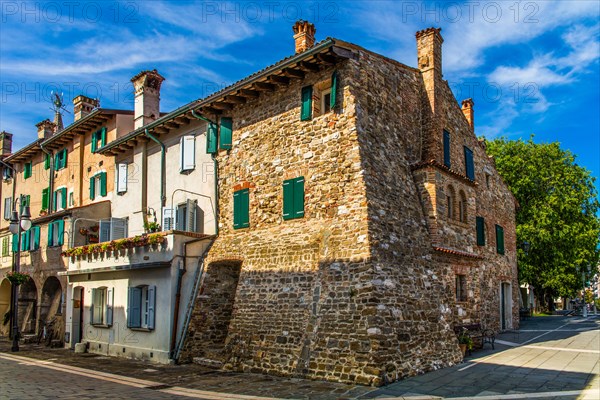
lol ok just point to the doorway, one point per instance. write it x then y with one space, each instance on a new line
77 317
505 306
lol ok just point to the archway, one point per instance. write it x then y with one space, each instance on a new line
51 302
5 288
27 307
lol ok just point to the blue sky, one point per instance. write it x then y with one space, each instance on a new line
530 66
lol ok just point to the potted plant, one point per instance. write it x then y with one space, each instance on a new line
465 342
17 278
151 226
83 231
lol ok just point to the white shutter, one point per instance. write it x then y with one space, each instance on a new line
187 148
118 228
167 219
191 215
105 230
121 178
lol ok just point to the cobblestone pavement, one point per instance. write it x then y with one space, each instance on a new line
550 357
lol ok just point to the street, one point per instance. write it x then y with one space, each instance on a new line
550 357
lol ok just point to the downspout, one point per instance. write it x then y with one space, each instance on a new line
163 152
51 179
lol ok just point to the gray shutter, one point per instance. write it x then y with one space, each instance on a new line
7 207
167 219
121 178
134 315
151 306
105 230
110 293
92 306
118 228
191 215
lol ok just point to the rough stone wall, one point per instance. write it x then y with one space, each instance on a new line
297 310
410 322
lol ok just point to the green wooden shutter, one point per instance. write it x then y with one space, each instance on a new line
306 110
15 243
94 142
102 184
51 234
447 149
241 209
45 198
469 167
334 84
27 170
299 197
480 222
103 137
54 202
64 158
92 188
25 240
60 225
288 199
63 198
47 161
226 134
5 246
499 239
36 237
211 138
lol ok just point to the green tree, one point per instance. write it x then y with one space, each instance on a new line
557 214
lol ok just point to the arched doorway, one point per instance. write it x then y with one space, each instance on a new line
27 307
5 288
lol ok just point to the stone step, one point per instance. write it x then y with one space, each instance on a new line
207 362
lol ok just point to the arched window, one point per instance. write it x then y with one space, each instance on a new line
450 202
462 207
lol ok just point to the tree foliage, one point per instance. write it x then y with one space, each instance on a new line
557 214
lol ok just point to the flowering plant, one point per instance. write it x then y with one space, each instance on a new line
17 278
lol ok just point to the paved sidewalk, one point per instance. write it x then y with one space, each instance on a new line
550 357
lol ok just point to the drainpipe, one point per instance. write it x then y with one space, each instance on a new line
51 179
216 167
163 151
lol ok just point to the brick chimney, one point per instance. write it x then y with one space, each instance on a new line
304 35
429 56
83 105
45 129
467 109
5 143
146 87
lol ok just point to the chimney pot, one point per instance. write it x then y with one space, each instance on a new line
45 129
467 109
146 87
5 143
83 105
304 35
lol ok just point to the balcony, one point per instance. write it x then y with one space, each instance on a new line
153 250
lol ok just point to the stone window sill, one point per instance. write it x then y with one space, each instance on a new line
141 329
101 326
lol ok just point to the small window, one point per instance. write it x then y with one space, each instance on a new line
45 198
462 207
480 226
60 199
7 173
60 160
499 239
449 207
98 185
487 180
241 209
188 217
141 304
326 101
33 238
447 149
306 107
461 288
27 170
469 166
113 229
450 202
293 198
56 231
98 139
121 172
71 199
101 310
187 153
7 208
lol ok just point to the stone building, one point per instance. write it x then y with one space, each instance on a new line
360 219
55 176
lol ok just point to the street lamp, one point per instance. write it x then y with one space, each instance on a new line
18 224
583 271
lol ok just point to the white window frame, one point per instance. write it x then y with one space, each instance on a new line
101 314
58 205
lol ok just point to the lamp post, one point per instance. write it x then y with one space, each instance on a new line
18 224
